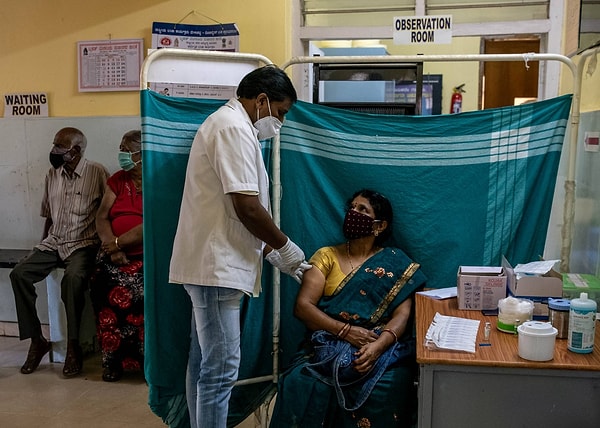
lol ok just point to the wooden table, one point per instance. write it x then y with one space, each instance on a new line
494 387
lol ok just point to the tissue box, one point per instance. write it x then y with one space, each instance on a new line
534 288
480 287
576 283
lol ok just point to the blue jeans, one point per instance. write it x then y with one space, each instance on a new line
214 354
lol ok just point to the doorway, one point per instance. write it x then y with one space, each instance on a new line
509 83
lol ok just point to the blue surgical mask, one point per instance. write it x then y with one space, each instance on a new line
125 161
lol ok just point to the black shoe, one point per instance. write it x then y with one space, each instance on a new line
110 374
73 360
37 350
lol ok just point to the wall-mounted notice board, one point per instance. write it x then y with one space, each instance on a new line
110 65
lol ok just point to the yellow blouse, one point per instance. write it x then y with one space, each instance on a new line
325 259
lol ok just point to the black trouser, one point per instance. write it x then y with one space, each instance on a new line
35 267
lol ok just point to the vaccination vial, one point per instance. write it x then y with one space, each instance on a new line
582 324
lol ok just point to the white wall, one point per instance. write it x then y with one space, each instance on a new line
24 148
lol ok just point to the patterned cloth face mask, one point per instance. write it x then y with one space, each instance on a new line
357 225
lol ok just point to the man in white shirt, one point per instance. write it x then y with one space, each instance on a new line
225 228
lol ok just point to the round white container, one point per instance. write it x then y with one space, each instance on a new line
512 312
537 340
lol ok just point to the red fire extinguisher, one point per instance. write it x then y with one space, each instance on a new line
456 101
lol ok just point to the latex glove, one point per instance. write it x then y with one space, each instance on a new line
275 259
299 273
291 257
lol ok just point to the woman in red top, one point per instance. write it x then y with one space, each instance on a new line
117 286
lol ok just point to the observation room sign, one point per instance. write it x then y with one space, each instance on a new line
420 30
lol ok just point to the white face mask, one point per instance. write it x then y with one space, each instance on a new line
269 126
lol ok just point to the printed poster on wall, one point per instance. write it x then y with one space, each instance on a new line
193 90
218 37
110 65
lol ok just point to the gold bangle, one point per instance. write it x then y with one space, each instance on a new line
392 332
346 331
117 243
343 331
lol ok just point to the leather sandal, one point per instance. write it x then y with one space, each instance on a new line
110 374
36 352
73 360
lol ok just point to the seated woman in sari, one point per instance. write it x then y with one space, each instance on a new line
359 367
117 285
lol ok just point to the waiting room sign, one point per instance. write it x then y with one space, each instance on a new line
26 105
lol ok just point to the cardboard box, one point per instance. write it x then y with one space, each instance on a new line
480 287
534 288
576 283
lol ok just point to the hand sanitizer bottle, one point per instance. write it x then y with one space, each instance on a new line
582 324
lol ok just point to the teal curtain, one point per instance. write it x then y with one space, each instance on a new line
465 188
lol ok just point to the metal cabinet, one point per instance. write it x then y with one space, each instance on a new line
370 88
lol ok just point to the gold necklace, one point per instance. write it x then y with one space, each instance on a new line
348 254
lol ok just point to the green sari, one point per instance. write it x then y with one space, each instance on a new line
367 297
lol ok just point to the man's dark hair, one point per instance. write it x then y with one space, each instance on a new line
269 79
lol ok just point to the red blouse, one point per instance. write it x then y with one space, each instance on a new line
126 211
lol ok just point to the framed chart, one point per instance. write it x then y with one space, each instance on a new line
109 65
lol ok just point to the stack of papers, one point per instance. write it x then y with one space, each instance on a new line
439 293
452 333
535 268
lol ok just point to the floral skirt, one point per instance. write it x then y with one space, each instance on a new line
117 294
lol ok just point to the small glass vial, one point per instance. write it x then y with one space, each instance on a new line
486 331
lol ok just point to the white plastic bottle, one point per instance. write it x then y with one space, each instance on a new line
582 325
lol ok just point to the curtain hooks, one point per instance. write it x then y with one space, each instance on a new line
526 58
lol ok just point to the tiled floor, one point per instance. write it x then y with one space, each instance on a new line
46 399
